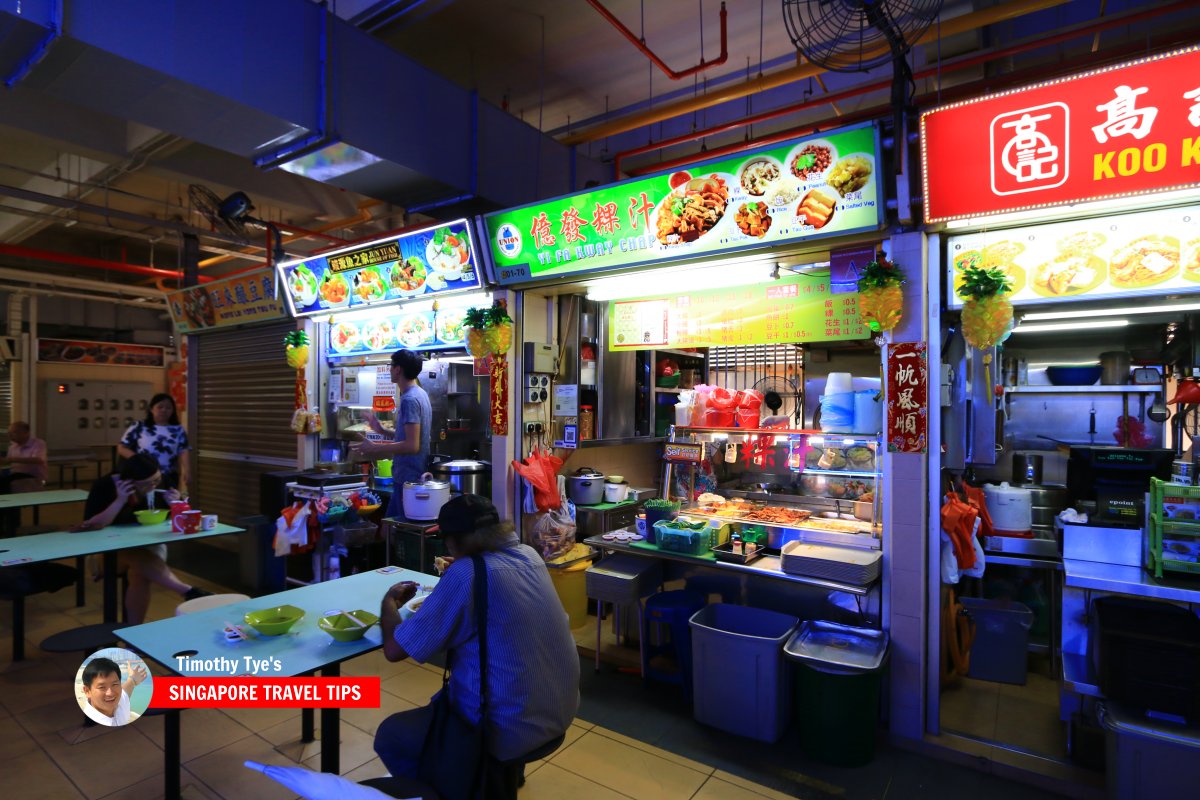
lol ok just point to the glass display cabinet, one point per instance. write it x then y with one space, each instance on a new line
781 485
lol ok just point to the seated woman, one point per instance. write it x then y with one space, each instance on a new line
113 499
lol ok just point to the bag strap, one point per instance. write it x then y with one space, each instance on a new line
481 597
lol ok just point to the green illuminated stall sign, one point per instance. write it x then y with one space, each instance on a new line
790 310
827 185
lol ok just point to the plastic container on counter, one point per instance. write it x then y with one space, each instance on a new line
739 678
587 423
839 675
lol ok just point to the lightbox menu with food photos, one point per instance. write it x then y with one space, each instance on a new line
818 186
413 330
434 261
1142 253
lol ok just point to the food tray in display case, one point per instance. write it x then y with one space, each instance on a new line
798 484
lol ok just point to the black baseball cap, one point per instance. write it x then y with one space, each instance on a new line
467 513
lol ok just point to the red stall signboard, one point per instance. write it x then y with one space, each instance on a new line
907 397
1128 129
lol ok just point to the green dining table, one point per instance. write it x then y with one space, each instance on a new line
303 650
108 542
49 497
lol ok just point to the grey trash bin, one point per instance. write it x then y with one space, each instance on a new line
1000 650
1147 758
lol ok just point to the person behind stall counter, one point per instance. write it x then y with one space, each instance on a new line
409 448
532 663
113 499
107 696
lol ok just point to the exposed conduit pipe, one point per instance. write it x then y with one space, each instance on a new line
363 216
929 72
17 251
967 22
99 298
640 44
58 281
963 91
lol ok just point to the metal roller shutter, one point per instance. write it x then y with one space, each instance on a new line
243 406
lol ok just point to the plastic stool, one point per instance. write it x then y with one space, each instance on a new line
207 602
671 609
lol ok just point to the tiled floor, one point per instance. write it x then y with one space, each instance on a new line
1023 716
645 744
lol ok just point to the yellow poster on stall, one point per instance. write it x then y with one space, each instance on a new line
795 309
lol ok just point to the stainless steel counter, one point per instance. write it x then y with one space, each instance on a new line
767 566
1124 580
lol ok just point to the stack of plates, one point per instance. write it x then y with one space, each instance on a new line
623 578
840 564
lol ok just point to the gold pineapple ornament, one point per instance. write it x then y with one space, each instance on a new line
880 297
296 349
499 331
474 321
987 315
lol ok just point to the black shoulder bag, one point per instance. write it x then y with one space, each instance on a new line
454 757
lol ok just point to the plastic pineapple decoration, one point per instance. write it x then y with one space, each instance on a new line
880 298
296 343
987 314
475 320
498 329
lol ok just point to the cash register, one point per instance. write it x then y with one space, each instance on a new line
1116 479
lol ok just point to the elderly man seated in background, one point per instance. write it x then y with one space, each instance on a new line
28 468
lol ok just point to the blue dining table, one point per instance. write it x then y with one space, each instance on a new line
107 542
48 497
303 650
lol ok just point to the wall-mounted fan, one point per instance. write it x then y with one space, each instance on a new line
782 395
856 35
231 215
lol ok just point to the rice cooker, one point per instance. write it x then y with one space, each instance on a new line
465 475
586 487
423 499
1011 509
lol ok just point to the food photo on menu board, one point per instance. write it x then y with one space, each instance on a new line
1148 252
433 261
413 330
816 186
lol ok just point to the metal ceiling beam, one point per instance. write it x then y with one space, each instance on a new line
967 22
41 279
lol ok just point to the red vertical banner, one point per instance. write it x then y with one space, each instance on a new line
499 395
908 397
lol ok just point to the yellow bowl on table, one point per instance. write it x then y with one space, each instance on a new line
152 516
274 621
347 626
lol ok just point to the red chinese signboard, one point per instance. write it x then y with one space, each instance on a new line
1123 130
907 397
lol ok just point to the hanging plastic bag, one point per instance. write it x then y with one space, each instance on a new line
553 533
950 573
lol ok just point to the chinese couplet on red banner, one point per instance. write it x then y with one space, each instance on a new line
907 397
499 416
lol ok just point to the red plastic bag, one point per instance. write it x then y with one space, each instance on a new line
721 399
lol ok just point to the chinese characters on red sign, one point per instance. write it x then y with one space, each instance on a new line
907 397
1128 129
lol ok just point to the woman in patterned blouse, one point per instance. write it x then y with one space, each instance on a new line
160 435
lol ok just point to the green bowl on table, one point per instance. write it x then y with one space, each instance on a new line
274 621
155 516
347 626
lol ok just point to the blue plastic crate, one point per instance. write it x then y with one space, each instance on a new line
740 679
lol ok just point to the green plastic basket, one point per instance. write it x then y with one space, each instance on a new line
1162 492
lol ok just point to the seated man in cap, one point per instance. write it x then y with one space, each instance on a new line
532 664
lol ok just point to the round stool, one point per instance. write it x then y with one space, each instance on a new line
207 602
670 612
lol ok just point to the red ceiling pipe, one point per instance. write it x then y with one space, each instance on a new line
929 72
83 261
343 243
640 44
963 91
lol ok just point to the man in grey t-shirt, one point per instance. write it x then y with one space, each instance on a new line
532 664
409 448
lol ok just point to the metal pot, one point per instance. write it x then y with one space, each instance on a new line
424 499
1115 366
586 487
465 476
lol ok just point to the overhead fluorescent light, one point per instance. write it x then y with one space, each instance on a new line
1111 312
1071 326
